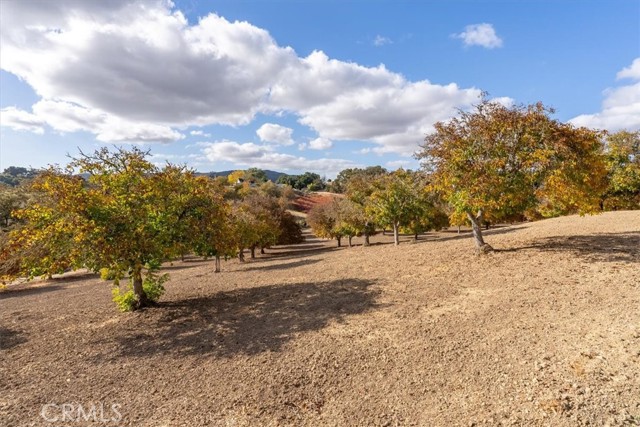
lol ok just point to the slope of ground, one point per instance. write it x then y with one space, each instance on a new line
545 331
306 201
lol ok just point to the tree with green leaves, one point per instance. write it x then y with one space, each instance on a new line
11 199
347 176
424 212
622 154
128 217
14 175
497 161
351 220
393 200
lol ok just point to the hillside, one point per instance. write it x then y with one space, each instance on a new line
545 331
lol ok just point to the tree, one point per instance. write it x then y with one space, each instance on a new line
424 211
498 161
14 175
341 183
351 219
11 199
393 201
128 217
358 187
622 155
307 181
323 220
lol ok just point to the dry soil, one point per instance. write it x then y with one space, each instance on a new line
544 331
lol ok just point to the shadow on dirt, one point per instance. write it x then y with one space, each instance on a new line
24 290
10 338
607 247
282 266
243 321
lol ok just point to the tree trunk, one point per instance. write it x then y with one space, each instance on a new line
458 229
262 250
339 241
415 237
350 237
138 290
396 236
366 240
253 252
217 264
241 255
476 222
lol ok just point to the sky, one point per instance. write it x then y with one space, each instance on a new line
299 85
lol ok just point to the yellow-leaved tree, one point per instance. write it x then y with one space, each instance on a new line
126 216
498 162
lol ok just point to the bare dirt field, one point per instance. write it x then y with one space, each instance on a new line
545 331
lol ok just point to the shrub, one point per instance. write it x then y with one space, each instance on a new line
153 287
107 274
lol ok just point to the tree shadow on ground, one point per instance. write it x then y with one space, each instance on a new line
467 234
608 247
244 321
282 266
294 254
10 338
25 290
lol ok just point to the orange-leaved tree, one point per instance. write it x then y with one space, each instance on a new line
498 162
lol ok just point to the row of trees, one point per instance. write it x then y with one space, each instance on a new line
128 216
488 165
117 211
400 201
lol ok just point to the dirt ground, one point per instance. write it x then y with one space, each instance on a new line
545 331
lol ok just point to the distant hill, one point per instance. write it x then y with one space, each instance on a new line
272 175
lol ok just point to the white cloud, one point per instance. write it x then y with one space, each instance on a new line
139 70
199 133
381 41
264 156
270 132
480 35
142 60
630 72
68 117
16 119
346 101
405 164
621 105
320 144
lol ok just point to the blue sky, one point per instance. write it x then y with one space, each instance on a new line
299 85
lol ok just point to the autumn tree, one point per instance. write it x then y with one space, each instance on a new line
358 185
351 219
393 201
497 161
622 154
323 219
128 216
424 211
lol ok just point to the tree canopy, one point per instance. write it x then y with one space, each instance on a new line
498 162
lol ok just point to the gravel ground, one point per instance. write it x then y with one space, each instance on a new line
544 331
